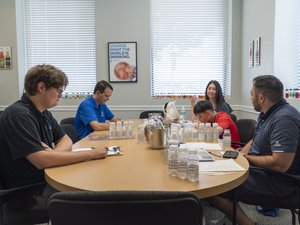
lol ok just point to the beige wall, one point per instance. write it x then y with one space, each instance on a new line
251 19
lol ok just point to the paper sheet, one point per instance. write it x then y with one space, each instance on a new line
207 146
220 166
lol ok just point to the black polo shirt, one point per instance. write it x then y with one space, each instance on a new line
22 129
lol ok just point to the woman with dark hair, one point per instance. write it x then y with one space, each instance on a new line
214 94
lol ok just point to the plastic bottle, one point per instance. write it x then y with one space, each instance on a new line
201 133
193 165
226 140
182 157
287 93
126 129
182 114
209 133
112 130
119 129
215 133
130 129
172 160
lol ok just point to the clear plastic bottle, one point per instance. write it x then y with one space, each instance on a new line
182 157
172 160
119 129
112 130
182 114
201 133
193 165
126 129
209 133
130 129
226 140
215 133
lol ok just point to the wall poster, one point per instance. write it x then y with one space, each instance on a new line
122 62
5 58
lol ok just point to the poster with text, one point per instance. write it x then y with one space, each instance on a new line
5 57
122 62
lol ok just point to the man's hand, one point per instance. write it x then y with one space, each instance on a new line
99 152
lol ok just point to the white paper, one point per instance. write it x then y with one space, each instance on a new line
220 166
207 146
81 149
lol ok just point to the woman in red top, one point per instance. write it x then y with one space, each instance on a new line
204 112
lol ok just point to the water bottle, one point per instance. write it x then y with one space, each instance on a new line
226 140
209 133
119 129
201 133
182 157
215 133
130 129
172 160
193 165
125 129
112 130
182 114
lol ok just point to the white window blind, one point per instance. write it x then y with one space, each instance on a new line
62 33
190 46
287 42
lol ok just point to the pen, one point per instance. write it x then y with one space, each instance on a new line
215 154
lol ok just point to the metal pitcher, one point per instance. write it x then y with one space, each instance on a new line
156 136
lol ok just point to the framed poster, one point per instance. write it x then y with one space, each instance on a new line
122 62
5 58
251 54
257 51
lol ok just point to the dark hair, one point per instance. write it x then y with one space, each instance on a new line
101 86
219 94
50 75
203 106
270 86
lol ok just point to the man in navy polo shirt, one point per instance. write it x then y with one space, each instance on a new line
275 149
93 113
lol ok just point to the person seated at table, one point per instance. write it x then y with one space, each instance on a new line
213 93
93 114
32 140
273 151
204 112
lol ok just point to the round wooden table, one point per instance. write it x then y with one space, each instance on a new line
139 168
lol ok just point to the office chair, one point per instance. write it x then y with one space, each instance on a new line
125 207
291 202
233 117
145 114
69 120
71 132
246 128
11 217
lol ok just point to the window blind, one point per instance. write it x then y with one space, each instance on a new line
62 33
191 45
287 42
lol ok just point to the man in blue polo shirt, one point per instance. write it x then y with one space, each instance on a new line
275 149
93 113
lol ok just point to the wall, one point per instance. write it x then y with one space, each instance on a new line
116 20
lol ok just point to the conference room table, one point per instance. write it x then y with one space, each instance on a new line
138 168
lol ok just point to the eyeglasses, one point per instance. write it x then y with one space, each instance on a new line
59 91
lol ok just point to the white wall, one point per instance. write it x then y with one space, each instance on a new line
118 20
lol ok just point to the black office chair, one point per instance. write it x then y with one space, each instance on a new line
69 120
291 202
71 132
11 217
246 128
145 114
125 207
233 117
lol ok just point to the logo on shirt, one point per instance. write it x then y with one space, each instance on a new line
277 144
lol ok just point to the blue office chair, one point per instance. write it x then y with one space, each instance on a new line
125 207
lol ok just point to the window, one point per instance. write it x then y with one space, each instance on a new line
62 33
191 45
287 43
